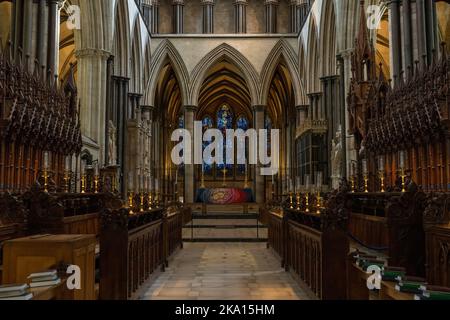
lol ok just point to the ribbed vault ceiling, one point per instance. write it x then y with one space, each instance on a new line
224 84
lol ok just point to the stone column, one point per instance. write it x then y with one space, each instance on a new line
271 16
407 38
150 11
189 192
348 137
240 16
92 84
259 186
296 19
431 28
52 37
342 112
28 33
394 11
178 16
208 16
41 43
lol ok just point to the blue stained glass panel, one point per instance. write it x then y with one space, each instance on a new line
242 123
181 122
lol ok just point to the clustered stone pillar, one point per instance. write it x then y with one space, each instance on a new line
40 45
92 84
189 116
271 15
316 108
394 9
240 16
259 187
208 16
407 37
150 11
178 16
298 13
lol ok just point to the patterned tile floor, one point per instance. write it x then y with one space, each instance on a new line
224 271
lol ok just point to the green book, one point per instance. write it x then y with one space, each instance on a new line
409 287
391 275
436 295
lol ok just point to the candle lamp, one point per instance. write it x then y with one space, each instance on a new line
366 175
45 170
130 201
402 160
319 189
96 177
381 173
352 177
307 186
203 177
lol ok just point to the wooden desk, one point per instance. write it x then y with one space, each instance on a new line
49 293
388 292
24 256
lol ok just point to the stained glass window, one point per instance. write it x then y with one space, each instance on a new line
224 122
181 122
207 123
242 123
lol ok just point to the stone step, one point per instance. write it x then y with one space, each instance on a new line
228 232
225 216
225 222
229 240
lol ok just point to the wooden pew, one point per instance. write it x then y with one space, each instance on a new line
66 213
173 230
277 233
13 216
367 218
313 247
391 221
436 221
134 246
316 251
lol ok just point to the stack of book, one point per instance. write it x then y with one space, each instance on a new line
433 293
392 273
44 279
15 292
410 284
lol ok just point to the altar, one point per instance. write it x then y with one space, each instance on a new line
224 196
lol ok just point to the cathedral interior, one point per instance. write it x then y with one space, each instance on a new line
92 93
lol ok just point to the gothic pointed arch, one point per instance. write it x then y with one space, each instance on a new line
281 52
233 56
164 54
136 65
121 39
327 39
313 59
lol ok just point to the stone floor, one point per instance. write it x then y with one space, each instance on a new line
224 271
